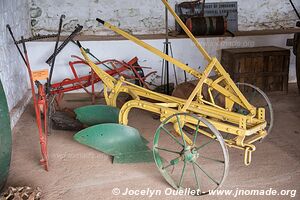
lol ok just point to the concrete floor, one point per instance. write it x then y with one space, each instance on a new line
78 172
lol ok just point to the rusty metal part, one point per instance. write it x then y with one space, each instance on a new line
65 42
65 121
207 25
35 38
192 6
54 54
21 193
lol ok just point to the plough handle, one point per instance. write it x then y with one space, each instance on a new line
55 53
65 42
15 42
24 46
100 21
91 54
79 44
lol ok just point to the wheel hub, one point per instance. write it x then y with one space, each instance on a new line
191 154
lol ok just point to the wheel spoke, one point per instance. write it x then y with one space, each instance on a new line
206 174
171 163
192 143
167 150
180 129
213 159
203 145
253 95
196 177
196 132
182 174
170 134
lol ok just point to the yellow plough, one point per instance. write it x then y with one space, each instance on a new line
184 122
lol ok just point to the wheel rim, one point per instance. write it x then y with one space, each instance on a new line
195 168
258 98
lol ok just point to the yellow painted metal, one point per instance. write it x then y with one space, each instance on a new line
236 97
219 67
200 84
172 105
154 50
187 31
246 128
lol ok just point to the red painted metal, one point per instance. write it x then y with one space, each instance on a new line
39 102
58 89
83 82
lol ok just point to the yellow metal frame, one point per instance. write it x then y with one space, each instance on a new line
246 129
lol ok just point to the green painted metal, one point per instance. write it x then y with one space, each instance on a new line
5 138
188 155
97 114
124 143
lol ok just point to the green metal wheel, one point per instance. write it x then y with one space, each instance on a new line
202 166
259 99
5 138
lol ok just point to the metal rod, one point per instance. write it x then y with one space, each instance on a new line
167 51
91 54
163 70
187 31
297 13
203 7
55 53
64 44
37 37
174 68
15 42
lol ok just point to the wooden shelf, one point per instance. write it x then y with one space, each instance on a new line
173 36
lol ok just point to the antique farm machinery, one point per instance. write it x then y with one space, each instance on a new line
213 110
45 93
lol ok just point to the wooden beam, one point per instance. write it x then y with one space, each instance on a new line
174 36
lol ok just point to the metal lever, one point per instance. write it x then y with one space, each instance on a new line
55 53
65 42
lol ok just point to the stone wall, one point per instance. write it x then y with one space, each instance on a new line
147 17
13 73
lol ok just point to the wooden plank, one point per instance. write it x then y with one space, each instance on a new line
174 36
266 67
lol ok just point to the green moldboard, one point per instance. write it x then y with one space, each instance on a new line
97 114
5 138
124 143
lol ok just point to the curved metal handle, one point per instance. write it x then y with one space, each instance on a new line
100 21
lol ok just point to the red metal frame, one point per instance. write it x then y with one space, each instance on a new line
40 102
88 80
67 85
83 82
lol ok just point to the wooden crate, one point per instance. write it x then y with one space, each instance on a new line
265 67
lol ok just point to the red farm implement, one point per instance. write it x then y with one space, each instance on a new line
45 94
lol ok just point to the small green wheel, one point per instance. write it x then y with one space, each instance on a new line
201 166
259 99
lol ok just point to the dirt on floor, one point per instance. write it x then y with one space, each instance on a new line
79 172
